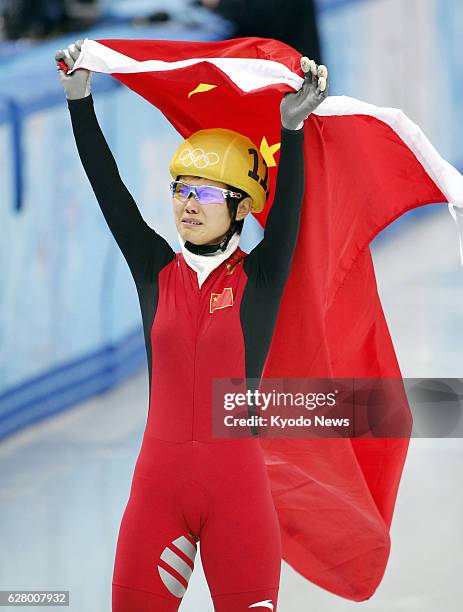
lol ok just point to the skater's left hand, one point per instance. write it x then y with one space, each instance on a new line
296 107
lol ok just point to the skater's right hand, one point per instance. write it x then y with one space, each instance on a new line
77 84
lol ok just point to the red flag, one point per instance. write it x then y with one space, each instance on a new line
365 166
221 300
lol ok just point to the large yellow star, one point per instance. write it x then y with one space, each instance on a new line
268 152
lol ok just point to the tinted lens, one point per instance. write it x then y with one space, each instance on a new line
210 195
180 191
205 194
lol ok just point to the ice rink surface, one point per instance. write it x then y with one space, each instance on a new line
65 482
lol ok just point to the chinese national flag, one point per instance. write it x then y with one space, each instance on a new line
365 166
221 300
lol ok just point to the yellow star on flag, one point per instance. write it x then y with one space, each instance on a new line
201 88
268 152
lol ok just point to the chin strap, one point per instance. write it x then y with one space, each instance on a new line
205 249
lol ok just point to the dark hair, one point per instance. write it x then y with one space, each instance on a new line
232 204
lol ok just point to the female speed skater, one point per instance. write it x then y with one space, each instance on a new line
208 312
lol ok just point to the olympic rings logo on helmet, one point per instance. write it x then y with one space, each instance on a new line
198 158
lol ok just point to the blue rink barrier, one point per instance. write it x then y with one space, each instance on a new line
70 325
71 383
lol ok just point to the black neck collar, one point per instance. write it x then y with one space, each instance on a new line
208 249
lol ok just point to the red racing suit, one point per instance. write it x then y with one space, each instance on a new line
189 486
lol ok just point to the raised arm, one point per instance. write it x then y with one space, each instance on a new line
145 251
269 262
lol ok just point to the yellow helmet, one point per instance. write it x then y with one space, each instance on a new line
226 156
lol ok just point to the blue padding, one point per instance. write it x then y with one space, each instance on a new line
334 5
71 384
4 112
16 148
